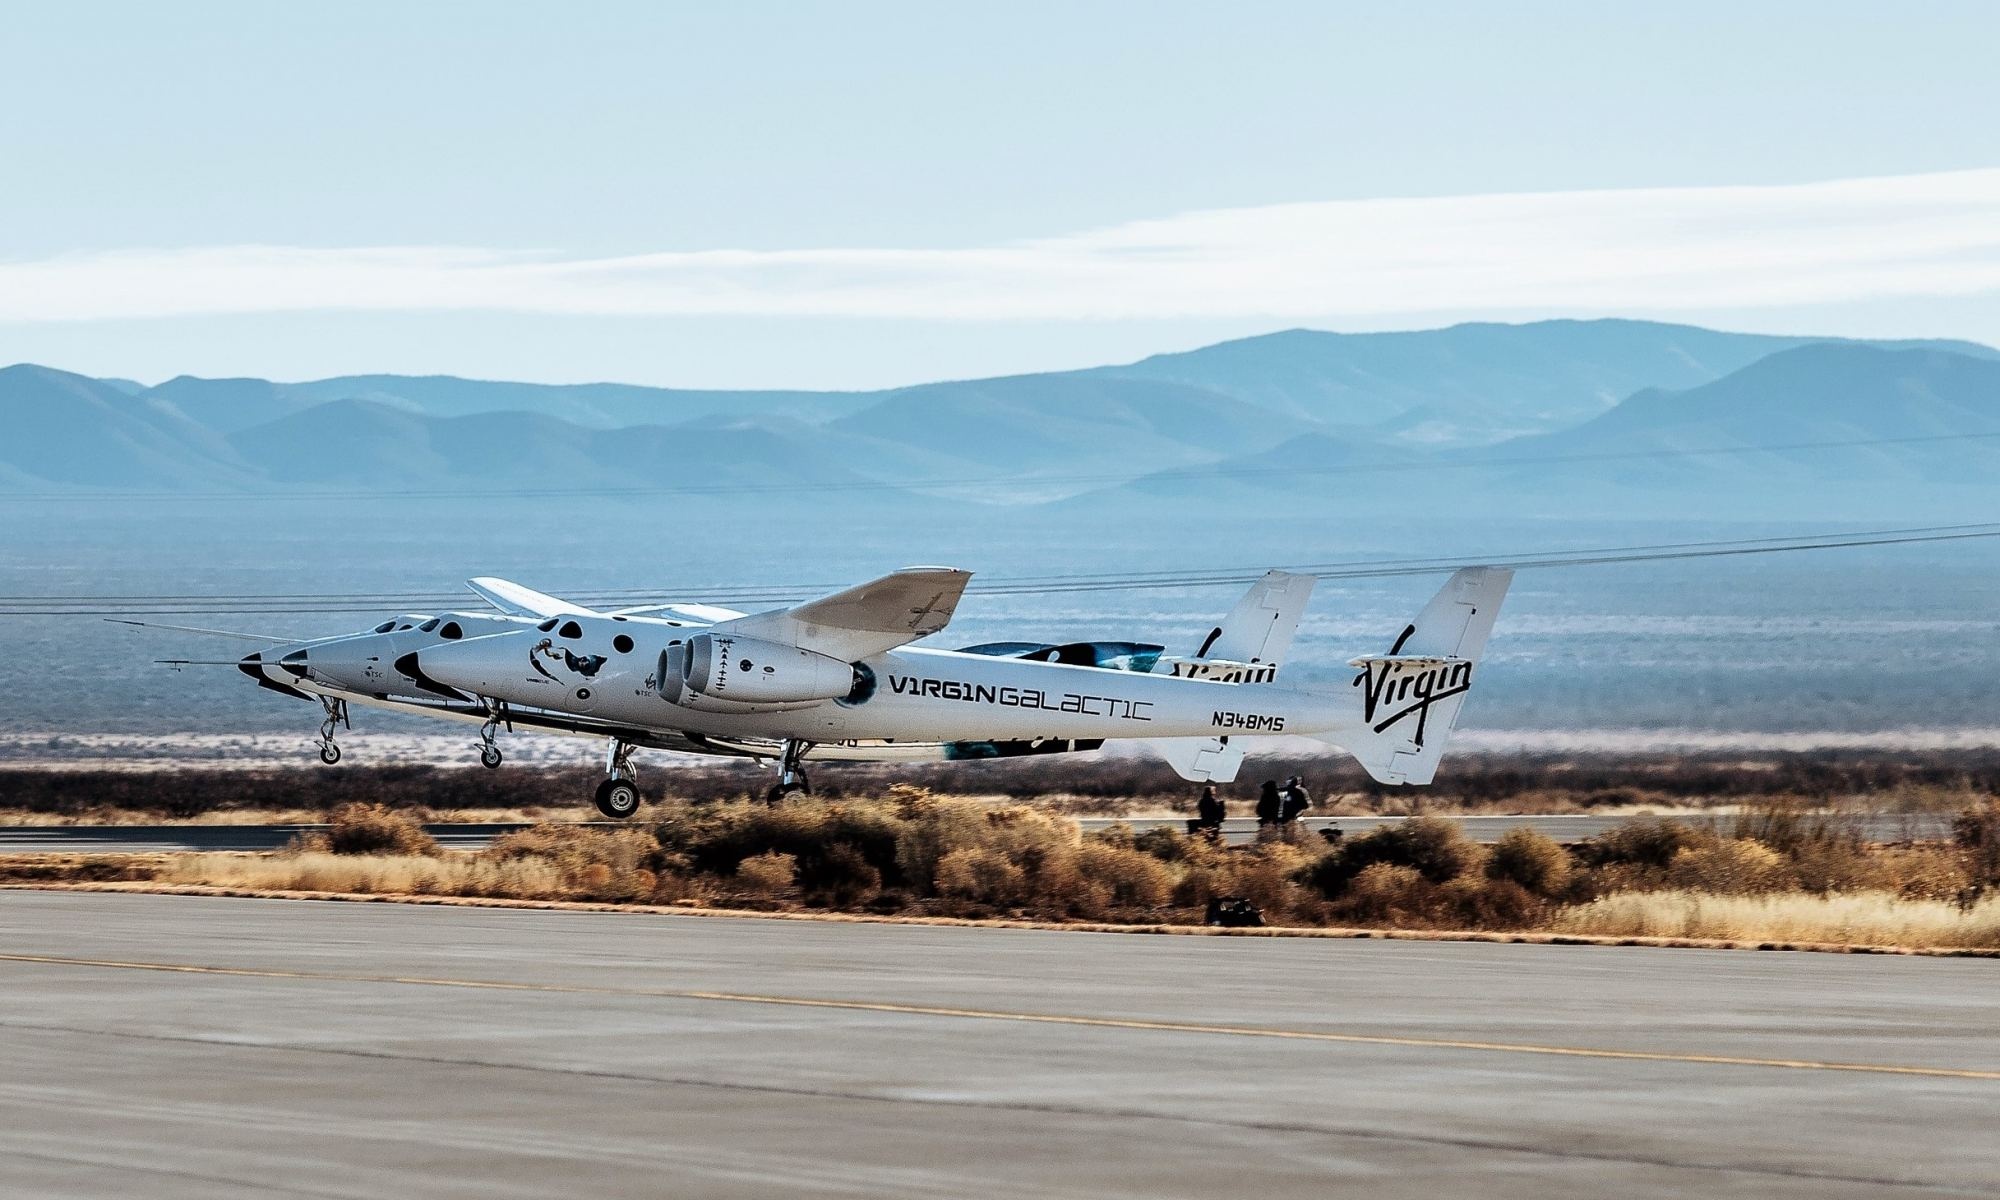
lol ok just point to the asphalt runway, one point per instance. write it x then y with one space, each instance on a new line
172 1046
144 839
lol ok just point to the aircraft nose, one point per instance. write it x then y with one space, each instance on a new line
480 665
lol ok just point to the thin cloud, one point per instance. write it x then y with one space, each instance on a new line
1643 249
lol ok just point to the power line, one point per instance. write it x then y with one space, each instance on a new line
288 604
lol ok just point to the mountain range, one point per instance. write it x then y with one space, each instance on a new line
1635 415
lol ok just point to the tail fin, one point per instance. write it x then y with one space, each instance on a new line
1410 697
1247 647
1252 640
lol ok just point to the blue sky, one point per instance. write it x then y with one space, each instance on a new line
856 195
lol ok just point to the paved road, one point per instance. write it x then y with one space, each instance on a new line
134 839
366 1050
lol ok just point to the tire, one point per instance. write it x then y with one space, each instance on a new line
617 798
329 754
491 758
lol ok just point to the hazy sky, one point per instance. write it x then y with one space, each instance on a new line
853 195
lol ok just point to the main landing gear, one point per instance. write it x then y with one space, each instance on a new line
618 796
489 754
336 716
791 776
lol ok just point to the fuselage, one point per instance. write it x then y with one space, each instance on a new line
613 670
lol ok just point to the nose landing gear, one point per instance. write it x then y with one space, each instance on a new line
489 754
791 776
618 796
336 716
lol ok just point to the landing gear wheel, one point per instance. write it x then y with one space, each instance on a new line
490 757
617 798
329 753
791 776
781 790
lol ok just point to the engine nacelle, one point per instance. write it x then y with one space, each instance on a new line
719 666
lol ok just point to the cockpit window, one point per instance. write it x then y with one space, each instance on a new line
547 625
451 632
385 627
427 626
571 629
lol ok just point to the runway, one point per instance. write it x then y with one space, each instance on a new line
144 839
183 1046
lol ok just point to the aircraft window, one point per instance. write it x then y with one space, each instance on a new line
429 625
622 644
402 627
571 629
385 627
547 625
451 632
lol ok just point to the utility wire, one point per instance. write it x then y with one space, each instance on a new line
290 605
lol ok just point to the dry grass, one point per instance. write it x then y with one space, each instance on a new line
371 874
1856 918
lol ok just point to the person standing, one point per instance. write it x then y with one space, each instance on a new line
1210 812
1296 801
1269 806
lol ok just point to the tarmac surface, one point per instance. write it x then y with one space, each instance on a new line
141 839
171 1046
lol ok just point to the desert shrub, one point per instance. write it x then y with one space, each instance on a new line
981 875
1435 848
1976 832
372 829
844 850
1641 842
1729 867
1475 902
1163 842
618 864
1129 878
1384 892
768 874
932 828
1530 860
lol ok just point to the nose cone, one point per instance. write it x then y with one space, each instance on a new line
354 664
495 665
270 670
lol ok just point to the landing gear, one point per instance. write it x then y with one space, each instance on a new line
618 796
489 754
336 717
791 776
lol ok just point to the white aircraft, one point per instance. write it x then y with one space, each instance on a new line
839 678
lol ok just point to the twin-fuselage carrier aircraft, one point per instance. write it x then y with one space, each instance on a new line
839 678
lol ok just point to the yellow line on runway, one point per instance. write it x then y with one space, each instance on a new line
985 1014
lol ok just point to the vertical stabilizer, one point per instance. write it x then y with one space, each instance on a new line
1410 697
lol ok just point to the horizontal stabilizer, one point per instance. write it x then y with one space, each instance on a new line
1400 662
879 615
1201 759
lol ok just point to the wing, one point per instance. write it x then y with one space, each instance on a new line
894 610
518 601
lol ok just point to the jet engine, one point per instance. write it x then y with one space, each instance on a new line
719 666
